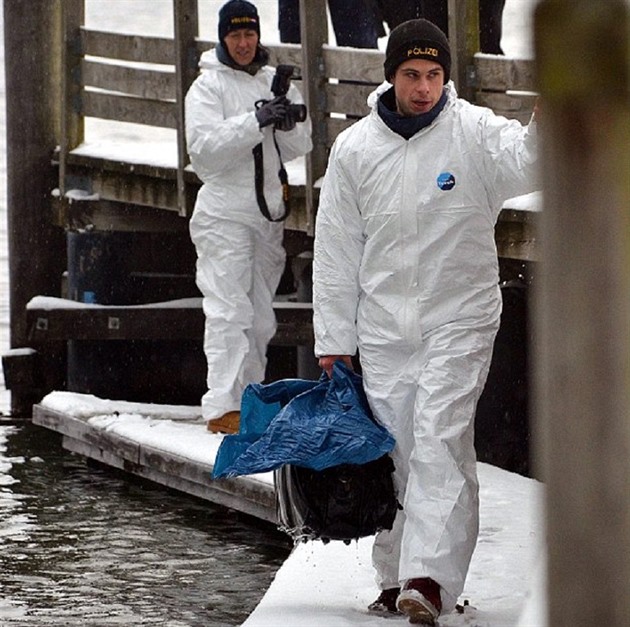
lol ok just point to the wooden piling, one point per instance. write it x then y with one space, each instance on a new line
314 34
36 248
463 34
582 372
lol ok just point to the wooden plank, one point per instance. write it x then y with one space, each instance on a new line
129 183
128 109
115 323
334 126
516 238
153 323
144 185
245 494
141 82
354 65
81 430
517 106
240 495
104 215
138 48
83 166
136 189
347 98
495 73
299 219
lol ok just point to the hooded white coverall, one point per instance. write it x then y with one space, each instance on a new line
240 258
406 269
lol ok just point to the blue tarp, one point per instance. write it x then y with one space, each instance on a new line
314 424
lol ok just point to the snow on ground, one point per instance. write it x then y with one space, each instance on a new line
331 585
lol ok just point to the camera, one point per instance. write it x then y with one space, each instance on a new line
280 87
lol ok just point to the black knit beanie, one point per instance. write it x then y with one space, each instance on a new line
417 39
237 14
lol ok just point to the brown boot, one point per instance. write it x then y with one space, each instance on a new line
228 423
420 601
385 603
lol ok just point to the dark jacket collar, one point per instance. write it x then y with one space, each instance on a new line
261 59
406 126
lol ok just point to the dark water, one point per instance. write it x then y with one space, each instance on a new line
82 544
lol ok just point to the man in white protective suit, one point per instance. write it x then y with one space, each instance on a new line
406 271
238 134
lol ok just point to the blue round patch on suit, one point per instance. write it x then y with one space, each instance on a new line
446 181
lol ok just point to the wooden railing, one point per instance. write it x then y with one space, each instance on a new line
143 80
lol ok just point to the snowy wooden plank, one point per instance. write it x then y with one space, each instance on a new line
161 465
135 81
517 106
124 108
354 64
498 73
80 430
348 98
136 48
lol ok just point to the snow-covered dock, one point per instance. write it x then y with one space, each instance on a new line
169 445
319 585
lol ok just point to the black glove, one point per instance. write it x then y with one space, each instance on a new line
272 111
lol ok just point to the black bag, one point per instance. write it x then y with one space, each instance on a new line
344 502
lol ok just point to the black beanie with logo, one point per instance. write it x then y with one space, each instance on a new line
417 39
237 14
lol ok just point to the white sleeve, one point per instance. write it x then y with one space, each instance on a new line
215 142
510 153
339 244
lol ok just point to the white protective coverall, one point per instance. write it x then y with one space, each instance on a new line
406 269
240 258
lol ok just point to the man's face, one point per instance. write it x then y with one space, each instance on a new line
241 45
418 85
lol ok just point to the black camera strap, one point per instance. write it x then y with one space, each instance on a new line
259 180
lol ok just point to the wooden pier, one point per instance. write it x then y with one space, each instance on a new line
177 453
72 185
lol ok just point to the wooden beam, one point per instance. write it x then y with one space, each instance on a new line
32 42
314 34
72 123
463 31
582 371
186 68
69 321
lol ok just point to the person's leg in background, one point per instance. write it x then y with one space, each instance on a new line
435 11
289 21
490 25
355 23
